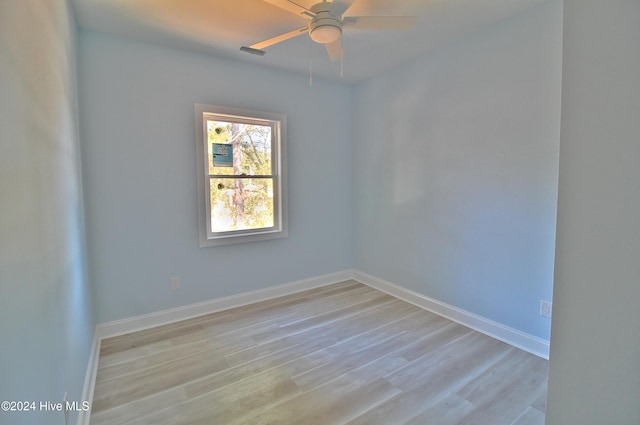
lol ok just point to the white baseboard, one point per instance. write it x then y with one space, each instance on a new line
514 337
90 380
146 321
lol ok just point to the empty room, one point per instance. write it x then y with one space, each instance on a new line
319 212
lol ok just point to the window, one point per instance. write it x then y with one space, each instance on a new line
241 168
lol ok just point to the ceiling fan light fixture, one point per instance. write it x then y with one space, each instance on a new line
325 28
325 34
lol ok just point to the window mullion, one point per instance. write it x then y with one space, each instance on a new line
224 176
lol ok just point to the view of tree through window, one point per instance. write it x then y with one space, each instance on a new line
241 176
241 163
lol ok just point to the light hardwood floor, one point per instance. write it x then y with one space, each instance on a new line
341 354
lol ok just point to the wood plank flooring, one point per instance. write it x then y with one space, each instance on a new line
341 354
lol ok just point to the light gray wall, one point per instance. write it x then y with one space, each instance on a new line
139 160
46 319
456 171
594 375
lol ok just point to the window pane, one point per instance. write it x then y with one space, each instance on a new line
240 204
242 175
236 149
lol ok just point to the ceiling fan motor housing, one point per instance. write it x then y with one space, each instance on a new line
324 27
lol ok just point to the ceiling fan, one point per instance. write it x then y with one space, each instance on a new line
326 24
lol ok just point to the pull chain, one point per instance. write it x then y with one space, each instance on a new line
342 58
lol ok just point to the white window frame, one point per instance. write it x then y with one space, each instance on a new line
278 123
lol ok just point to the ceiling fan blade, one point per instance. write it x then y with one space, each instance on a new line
379 22
279 38
338 7
292 7
335 50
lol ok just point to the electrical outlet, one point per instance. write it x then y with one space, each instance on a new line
175 283
65 403
545 308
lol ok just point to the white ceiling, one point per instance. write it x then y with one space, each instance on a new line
221 27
